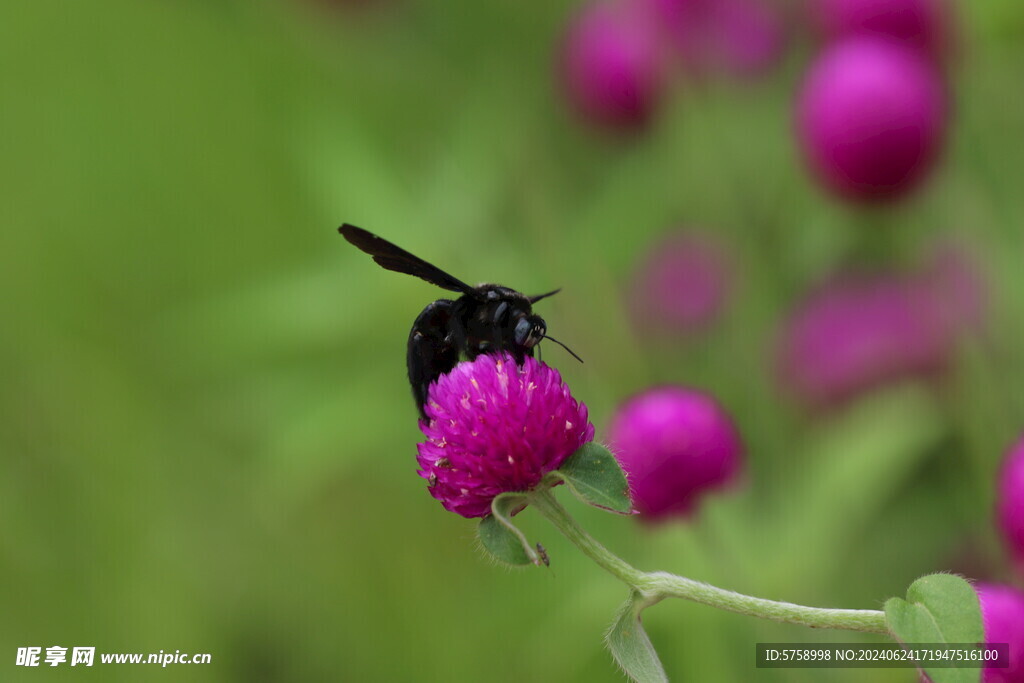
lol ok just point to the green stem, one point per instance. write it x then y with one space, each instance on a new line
655 586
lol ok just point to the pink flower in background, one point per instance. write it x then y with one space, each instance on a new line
740 37
1002 610
496 427
858 332
1010 504
748 36
871 118
611 65
683 28
682 283
675 444
922 25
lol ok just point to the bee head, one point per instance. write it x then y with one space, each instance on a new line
529 330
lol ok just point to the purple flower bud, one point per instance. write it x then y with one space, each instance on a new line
918 24
1002 611
1010 503
496 427
674 445
682 283
871 119
859 331
611 66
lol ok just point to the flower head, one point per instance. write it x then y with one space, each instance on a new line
860 331
871 119
496 427
682 284
611 66
674 445
919 24
1002 611
1010 505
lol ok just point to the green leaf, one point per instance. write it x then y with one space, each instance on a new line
940 608
594 476
630 645
500 538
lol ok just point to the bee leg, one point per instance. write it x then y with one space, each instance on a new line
520 353
433 348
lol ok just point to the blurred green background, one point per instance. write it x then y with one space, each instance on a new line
206 437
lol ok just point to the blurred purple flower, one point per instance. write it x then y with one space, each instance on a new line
859 331
741 37
1010 504
683 28
496 427
1002 611
681 285
748 36
919 24
871 119
674 444
611 65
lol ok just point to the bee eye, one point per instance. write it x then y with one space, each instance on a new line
523 332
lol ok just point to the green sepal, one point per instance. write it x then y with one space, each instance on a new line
631 647
500 538
593 475
940 608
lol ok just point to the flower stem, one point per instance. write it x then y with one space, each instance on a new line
655 586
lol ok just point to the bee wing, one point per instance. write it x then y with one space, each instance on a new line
399 260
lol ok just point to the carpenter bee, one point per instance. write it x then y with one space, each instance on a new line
487 318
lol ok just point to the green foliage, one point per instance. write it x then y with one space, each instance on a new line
940 608
593 474
630 645
500 538
206 437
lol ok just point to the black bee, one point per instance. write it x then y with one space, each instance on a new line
485 319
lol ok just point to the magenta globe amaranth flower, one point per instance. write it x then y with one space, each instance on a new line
1002 611
871 119
859 331
919 24
496 427
674 444
1010 503
681 284
611 66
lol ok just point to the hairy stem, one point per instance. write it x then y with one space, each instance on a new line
655 586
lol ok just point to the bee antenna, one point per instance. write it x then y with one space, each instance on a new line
564 347
535 299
